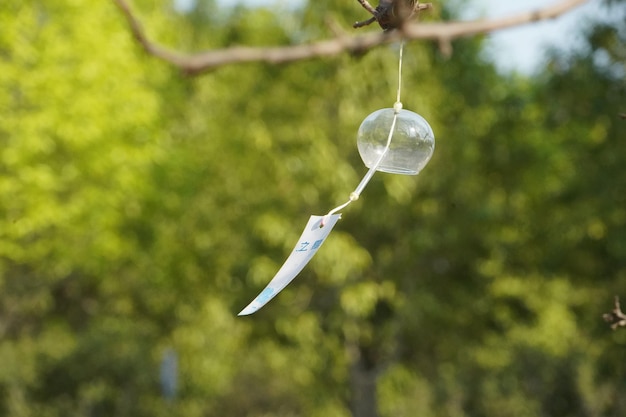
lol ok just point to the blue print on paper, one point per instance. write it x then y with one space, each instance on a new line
265 295
303 247
317 244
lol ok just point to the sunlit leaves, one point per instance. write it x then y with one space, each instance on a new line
141 211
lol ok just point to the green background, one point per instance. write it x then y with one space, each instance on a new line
141 210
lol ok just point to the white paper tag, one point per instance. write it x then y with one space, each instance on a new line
310 241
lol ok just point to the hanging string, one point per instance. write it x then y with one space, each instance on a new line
397 106
400 73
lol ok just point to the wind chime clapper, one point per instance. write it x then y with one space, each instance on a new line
391 140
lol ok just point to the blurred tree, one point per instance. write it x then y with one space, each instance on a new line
141 211
79 132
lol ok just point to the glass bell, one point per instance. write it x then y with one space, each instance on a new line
411 147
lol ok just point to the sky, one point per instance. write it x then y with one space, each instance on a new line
519 49
522 48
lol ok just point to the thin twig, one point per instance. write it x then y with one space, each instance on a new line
616 317
194 64
367 7
362 23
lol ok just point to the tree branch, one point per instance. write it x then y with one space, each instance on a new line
193 64
615 318
392 14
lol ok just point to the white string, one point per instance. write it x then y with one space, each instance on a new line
397 106
400 72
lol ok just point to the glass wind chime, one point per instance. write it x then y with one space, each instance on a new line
392 140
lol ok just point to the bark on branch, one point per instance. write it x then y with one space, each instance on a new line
193 64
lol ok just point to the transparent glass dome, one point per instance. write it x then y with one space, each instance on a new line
412 143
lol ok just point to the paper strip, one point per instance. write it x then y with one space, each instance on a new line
310 241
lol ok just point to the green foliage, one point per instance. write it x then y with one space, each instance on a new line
140 211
